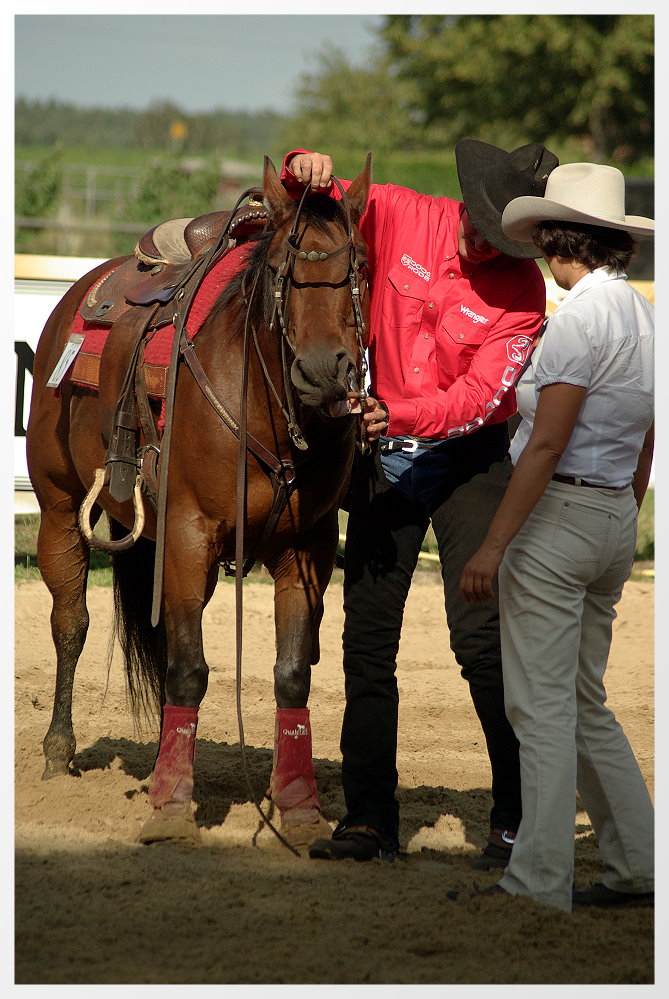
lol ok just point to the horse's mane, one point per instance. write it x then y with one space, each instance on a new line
256 281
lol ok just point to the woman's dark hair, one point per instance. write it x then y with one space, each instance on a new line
594 245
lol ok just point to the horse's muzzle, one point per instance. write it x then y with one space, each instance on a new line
323 380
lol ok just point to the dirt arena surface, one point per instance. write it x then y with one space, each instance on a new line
94 907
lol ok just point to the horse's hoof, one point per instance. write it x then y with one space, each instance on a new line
171 824
301 835
55 768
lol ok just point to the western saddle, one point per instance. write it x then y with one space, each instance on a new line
168 259
164 260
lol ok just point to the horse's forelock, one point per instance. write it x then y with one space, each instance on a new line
318 211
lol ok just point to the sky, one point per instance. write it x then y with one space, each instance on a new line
199 62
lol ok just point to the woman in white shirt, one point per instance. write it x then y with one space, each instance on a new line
564 540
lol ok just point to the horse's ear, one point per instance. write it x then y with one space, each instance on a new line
280 203
358 192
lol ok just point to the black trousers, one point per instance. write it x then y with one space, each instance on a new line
384 536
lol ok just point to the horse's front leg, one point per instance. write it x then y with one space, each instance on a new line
188 584
300 577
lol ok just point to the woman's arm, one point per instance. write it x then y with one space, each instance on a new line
642 473
557 411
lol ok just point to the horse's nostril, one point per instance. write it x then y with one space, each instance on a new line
304 374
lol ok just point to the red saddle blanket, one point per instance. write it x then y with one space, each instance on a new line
86 368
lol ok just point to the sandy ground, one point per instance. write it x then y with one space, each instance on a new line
95 907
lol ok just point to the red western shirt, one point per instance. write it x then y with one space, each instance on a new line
448 338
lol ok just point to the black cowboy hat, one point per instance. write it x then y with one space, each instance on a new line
490 178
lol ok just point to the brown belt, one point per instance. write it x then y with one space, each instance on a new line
571 481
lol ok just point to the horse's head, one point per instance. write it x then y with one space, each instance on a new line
321 293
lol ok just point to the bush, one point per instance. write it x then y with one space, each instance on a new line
645 543
37 193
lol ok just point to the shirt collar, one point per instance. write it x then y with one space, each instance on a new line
591 280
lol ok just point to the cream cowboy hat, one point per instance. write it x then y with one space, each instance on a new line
590 193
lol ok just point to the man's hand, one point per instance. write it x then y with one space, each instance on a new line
374 415
312 168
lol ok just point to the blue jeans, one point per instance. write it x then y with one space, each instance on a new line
418 469
457 485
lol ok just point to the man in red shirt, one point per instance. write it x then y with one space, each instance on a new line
455 309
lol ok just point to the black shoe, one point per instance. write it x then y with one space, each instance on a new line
498 851
354 843
478 893
598 894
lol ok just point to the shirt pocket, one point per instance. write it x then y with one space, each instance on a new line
465 331
458 339
404 297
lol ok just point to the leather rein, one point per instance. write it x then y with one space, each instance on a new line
280 299
282 471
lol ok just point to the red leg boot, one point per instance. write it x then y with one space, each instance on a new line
293 784
171 782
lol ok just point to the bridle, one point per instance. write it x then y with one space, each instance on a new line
281 293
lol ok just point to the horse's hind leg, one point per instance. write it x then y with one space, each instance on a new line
300 581
63 558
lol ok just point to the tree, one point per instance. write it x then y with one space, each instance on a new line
510 79
167 189
37 194
342 107
153 127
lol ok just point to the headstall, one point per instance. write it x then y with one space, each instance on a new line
316 256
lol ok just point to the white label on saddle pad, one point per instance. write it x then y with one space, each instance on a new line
70 351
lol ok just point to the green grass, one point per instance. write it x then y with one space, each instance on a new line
90 156
26 527
645 542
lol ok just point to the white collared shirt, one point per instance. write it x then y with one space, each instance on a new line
601 337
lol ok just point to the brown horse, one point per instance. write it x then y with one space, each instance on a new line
302 293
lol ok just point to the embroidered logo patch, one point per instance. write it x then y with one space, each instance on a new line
416 268
296 732
518 348
189 731
473 315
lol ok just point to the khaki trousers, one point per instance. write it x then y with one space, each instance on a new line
558 584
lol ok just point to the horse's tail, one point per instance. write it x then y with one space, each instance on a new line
144 647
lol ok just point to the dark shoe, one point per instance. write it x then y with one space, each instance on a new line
498 851
355 843
477 893
598 894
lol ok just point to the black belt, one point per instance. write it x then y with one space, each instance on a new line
409 444
570 480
